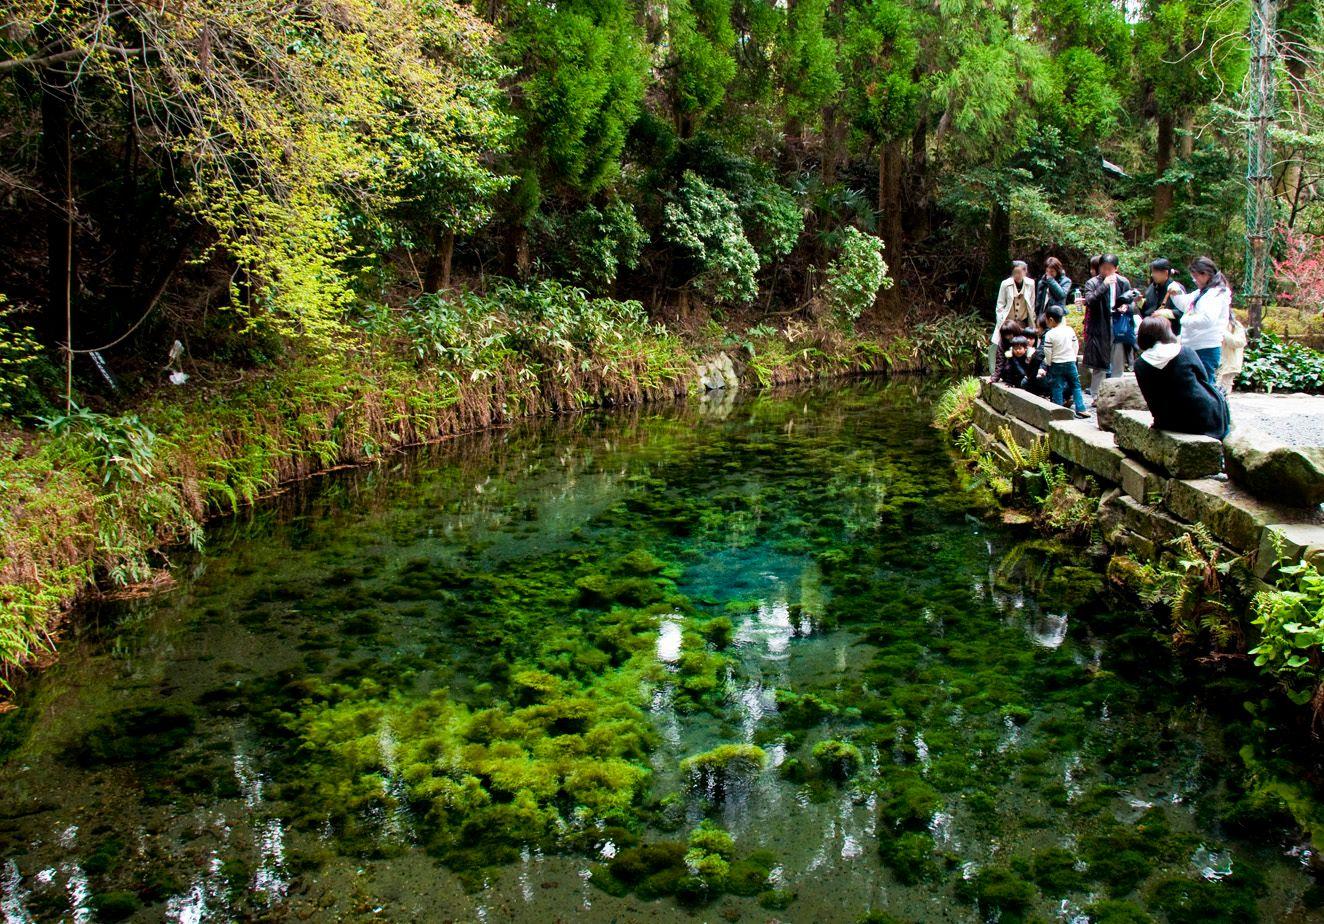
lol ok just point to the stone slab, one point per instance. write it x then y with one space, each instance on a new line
1083 443
986 418
1294 542
1152 523
1024 434
1273 470
1232 514
1033 410
1143 483
1181 455
1116 394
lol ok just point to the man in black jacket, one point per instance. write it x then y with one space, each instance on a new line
1158 296
1105 295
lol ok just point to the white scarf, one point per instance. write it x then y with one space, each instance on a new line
1160 354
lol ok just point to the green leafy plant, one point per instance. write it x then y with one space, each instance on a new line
1194 583
19 351
1273 364
1290 618
121 449
856 276
702 222
949 344
954 407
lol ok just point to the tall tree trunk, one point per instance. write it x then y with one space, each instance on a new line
917 217
1262 84
519 250
999 248
1186 142
889 209
437 276
889 195
828 168
1162 161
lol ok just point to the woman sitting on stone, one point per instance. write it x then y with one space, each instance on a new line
1175 385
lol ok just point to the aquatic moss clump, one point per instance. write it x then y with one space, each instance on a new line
555 758
999 892
838 760
910 856
1233 900
714 773
696 872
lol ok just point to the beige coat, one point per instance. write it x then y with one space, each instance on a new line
1006 296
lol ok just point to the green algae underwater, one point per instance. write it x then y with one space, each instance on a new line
762 659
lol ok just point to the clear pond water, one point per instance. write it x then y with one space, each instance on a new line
753 661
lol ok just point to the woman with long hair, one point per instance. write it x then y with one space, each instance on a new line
1207 312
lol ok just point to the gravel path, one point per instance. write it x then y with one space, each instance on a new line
1297 420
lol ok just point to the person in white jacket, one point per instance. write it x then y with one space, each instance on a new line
1016 302
1208 312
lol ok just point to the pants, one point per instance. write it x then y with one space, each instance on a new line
1123 356
993 350
1212 357
1096 380
1064 376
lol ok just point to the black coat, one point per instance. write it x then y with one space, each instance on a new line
1020 371
1099 321
1181 397
1052 292
1154 296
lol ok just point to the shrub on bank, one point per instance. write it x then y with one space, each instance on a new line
1273 364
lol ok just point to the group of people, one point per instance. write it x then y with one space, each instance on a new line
1185 347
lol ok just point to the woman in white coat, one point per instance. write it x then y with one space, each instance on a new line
1208 312
1015 303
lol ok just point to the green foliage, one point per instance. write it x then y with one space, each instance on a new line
949 344
954 409
1273 364
19 352
1290 618
119 449
582 67
285 149
700 61
808 61
856 275
882 52
1193 582
591 246
703 223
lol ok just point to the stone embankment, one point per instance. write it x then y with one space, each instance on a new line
1258 492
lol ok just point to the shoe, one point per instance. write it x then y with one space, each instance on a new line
1082 415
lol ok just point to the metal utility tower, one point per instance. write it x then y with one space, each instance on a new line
1261 92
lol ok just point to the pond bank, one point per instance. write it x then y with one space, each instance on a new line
77 517
1152 485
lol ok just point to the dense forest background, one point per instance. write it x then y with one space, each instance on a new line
254 176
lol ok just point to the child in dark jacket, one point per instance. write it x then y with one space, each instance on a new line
1006 333
1019 369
